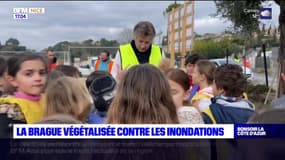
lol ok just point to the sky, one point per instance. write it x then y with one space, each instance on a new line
78 21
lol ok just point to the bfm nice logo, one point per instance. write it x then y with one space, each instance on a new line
23 13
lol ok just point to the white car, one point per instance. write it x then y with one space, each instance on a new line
247 71
85 70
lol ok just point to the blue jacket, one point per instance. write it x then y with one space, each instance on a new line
227 110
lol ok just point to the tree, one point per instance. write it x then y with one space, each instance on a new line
171 7
246 23
12 42
61 46
125 36
88 42
215 49
83 52
197 35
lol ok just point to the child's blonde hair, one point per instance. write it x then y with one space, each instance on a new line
67 95
164 64
206 68
59 119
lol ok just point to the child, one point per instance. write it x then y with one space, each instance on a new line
27 73
101 86
67 95
142 97
227 105
203 76
179 84
190 63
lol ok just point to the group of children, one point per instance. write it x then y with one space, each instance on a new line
214 95
202 94
30 94
143 95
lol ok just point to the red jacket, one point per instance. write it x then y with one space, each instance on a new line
52 67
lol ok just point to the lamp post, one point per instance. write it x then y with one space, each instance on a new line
227 55
264 60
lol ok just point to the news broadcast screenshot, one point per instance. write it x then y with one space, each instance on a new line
142 80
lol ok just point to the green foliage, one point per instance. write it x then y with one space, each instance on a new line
84 53
245 23
171 7
234 11
257 93
12 44
257 89
215 49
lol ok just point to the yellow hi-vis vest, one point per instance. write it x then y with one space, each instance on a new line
129 58
33 111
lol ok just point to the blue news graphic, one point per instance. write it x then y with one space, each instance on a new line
122 131
265 13
259 130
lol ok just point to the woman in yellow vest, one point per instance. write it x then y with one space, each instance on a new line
27 73
138 51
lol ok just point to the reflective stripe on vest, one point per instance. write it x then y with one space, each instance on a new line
199 96
110 65
129 58
209 113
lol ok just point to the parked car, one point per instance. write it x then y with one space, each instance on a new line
88 67
247 71
85 70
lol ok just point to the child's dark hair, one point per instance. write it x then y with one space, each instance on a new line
94 75
179 77
193 58
3 66
230 78
68 70
14 63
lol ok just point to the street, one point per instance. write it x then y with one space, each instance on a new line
259 78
